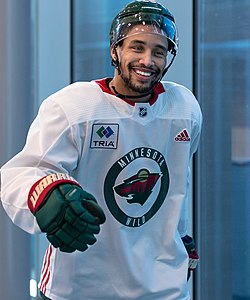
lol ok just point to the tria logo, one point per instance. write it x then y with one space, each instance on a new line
183 136
104 136
107 132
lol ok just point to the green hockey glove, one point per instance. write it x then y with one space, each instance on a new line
68 215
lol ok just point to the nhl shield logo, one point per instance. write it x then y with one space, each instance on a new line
143 111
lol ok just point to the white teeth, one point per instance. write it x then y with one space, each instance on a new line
143 73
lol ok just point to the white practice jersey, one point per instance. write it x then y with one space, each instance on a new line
134 158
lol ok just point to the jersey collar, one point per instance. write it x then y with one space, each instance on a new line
104 83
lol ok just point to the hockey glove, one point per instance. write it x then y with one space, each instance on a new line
68 215
189 244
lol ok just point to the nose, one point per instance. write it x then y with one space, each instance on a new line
147 59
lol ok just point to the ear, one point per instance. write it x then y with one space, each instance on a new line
113 53
114 56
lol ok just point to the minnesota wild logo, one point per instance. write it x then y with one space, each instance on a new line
135 199
137 188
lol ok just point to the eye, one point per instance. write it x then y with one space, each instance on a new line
137 48
160 53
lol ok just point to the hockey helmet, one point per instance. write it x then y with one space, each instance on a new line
154 17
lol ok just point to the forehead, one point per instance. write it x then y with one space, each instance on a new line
147 33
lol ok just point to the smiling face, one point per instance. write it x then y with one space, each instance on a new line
142 58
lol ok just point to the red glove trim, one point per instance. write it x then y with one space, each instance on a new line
193 260
40 189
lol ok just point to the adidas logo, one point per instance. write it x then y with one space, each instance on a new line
182 136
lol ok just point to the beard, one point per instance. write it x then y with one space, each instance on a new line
137 87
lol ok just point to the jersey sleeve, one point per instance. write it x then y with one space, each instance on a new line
183 222
195 139
50 148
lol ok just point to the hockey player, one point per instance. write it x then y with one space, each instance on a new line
105 172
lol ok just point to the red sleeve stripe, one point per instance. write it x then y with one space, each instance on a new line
46 270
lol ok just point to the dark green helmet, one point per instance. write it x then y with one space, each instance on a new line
150 14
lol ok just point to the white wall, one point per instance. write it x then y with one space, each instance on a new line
52 46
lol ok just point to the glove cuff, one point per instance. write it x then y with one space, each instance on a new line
193 260
42 187
189 244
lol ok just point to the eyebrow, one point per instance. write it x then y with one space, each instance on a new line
144 43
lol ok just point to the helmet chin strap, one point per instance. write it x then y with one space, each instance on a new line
151 92
166 69
116 64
